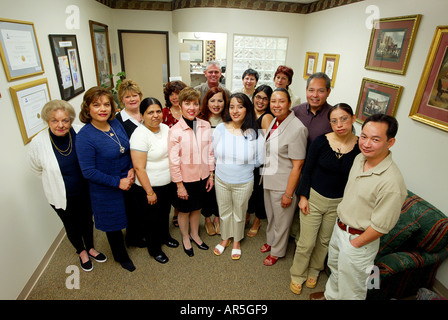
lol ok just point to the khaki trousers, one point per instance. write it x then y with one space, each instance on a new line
233 200
350 267
279 221
315 234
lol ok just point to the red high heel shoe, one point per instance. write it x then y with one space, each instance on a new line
270 260
265 248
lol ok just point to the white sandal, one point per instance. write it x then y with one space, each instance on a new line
237 253
220 248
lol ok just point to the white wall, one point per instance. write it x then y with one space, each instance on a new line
29 225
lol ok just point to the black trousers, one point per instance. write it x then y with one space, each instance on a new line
77 219
116 243
134 231
209 204
155 218
256 200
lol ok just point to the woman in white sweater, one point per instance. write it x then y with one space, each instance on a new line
53 157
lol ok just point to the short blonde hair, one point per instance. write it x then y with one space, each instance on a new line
54 105
189 94
128 85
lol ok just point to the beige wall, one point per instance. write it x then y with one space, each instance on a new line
29 225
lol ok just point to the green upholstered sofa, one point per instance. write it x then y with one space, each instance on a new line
412 251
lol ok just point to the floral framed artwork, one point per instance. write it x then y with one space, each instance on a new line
29 99
330 65
99 34
430 104
64 49
391 43
19 49
377 97
310 64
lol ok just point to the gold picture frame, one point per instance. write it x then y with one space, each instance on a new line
430 105
19 49
99 34
377 97
310 64
29 99
330 64
391 43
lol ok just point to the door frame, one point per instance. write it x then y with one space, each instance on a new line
120 44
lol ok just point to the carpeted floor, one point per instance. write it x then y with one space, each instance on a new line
202 277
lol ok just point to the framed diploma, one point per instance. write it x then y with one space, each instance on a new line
67 64
101 53
29 99
19 49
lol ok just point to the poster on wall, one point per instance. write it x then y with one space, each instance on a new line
67 65
430 104
19 49
29 99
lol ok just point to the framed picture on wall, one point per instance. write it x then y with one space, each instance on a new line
377 97
330 65
99 34
310 64
391 43
29 99
430 104
67 64
19 49
196 50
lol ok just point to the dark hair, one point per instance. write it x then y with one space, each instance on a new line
170 87
250 125
204 114
268 91
319 75
392 123
148 102
284 91
345 107
90 97
251 72
287 71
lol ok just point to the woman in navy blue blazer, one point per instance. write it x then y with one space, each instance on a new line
104 157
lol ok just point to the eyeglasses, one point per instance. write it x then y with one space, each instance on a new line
343 119
261 98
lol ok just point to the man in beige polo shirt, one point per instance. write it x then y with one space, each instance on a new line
371 206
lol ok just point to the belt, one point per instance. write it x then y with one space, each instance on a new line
350 230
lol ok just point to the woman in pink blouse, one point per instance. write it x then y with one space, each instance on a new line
190 153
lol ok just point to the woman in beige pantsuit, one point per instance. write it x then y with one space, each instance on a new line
285 154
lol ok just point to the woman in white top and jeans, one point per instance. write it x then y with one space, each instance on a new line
238 149
149 153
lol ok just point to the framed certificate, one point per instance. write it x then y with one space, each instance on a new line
19 49
29 99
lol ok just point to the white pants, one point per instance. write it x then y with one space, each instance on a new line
350 267
233 200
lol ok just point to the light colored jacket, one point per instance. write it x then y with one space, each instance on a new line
190 154
43 162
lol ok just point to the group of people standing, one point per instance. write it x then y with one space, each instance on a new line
208 152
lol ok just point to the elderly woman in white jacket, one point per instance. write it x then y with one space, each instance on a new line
53 157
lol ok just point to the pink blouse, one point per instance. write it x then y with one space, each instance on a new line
190 155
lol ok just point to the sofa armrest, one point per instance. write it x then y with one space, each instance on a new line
401 261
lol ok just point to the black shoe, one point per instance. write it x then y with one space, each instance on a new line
202 246
161 257
189 252
99 257
172 243
128 265
86 266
